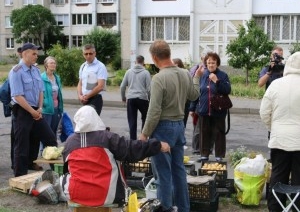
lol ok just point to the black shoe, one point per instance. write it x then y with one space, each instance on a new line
202 159
196 152
35 167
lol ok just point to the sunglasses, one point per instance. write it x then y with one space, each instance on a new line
86 54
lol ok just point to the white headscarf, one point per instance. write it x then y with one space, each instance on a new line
87 120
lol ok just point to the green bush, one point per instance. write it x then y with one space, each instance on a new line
250 91
117 79
68 63
234 79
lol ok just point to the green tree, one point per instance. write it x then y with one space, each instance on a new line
295 47
35 22
250 49
107 43
68 63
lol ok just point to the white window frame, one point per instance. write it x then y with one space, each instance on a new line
8 2
106 1
10 43
291 27
64 18
81 17
169 29
26 2
81 1
8 23
77 38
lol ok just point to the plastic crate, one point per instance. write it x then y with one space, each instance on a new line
228 189
206 191
59 169
221 175
204 206
190 169
140 169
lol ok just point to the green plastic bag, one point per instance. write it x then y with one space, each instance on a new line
249 188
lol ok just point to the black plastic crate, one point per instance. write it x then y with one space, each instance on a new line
204 206
138 182
206 191
221 175
140 169
228 189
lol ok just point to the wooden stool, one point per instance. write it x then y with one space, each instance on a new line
82 208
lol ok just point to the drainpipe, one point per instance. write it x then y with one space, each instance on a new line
134 31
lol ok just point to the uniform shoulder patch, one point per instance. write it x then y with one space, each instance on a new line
17 68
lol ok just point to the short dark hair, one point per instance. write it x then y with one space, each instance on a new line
214 56
160 49
140 59
88 46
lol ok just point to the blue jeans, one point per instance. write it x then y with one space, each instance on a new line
169 169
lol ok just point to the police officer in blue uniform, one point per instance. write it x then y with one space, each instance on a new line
29 126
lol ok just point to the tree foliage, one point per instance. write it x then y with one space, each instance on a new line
295 47
107 44
251 49
34 22
68 63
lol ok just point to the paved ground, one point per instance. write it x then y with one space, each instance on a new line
246 129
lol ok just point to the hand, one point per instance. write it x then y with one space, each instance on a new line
213 77
192 113
199 71
142 137
83 99
165 147
36 115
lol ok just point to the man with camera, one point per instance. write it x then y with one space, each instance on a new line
274 71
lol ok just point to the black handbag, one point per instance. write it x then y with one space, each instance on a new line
220 102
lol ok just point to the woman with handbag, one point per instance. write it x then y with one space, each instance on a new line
212 110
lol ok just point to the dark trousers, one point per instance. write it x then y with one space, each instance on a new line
133 106
284 165
186 112
28 133
96 102
212 133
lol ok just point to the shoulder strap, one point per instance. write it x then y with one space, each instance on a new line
228 122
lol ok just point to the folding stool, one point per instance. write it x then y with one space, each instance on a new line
288 190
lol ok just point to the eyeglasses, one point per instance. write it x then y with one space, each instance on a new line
90 53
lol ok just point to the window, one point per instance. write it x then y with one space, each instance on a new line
59 2
77 40
170 29
285 28
81 1
81 19
8 23
106 20
8 2
29 2
105 1
33 40
10 43
62 20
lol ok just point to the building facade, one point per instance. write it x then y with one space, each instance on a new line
191 27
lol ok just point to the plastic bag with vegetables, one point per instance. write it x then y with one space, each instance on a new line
52 152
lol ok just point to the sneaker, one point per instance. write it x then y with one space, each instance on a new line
218 159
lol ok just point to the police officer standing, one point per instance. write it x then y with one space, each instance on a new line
29 126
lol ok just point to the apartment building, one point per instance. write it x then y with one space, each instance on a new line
190 26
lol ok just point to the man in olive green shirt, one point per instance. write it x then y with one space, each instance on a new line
170 89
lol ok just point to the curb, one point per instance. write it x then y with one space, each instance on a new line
120 104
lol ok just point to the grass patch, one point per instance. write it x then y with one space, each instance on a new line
249 91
